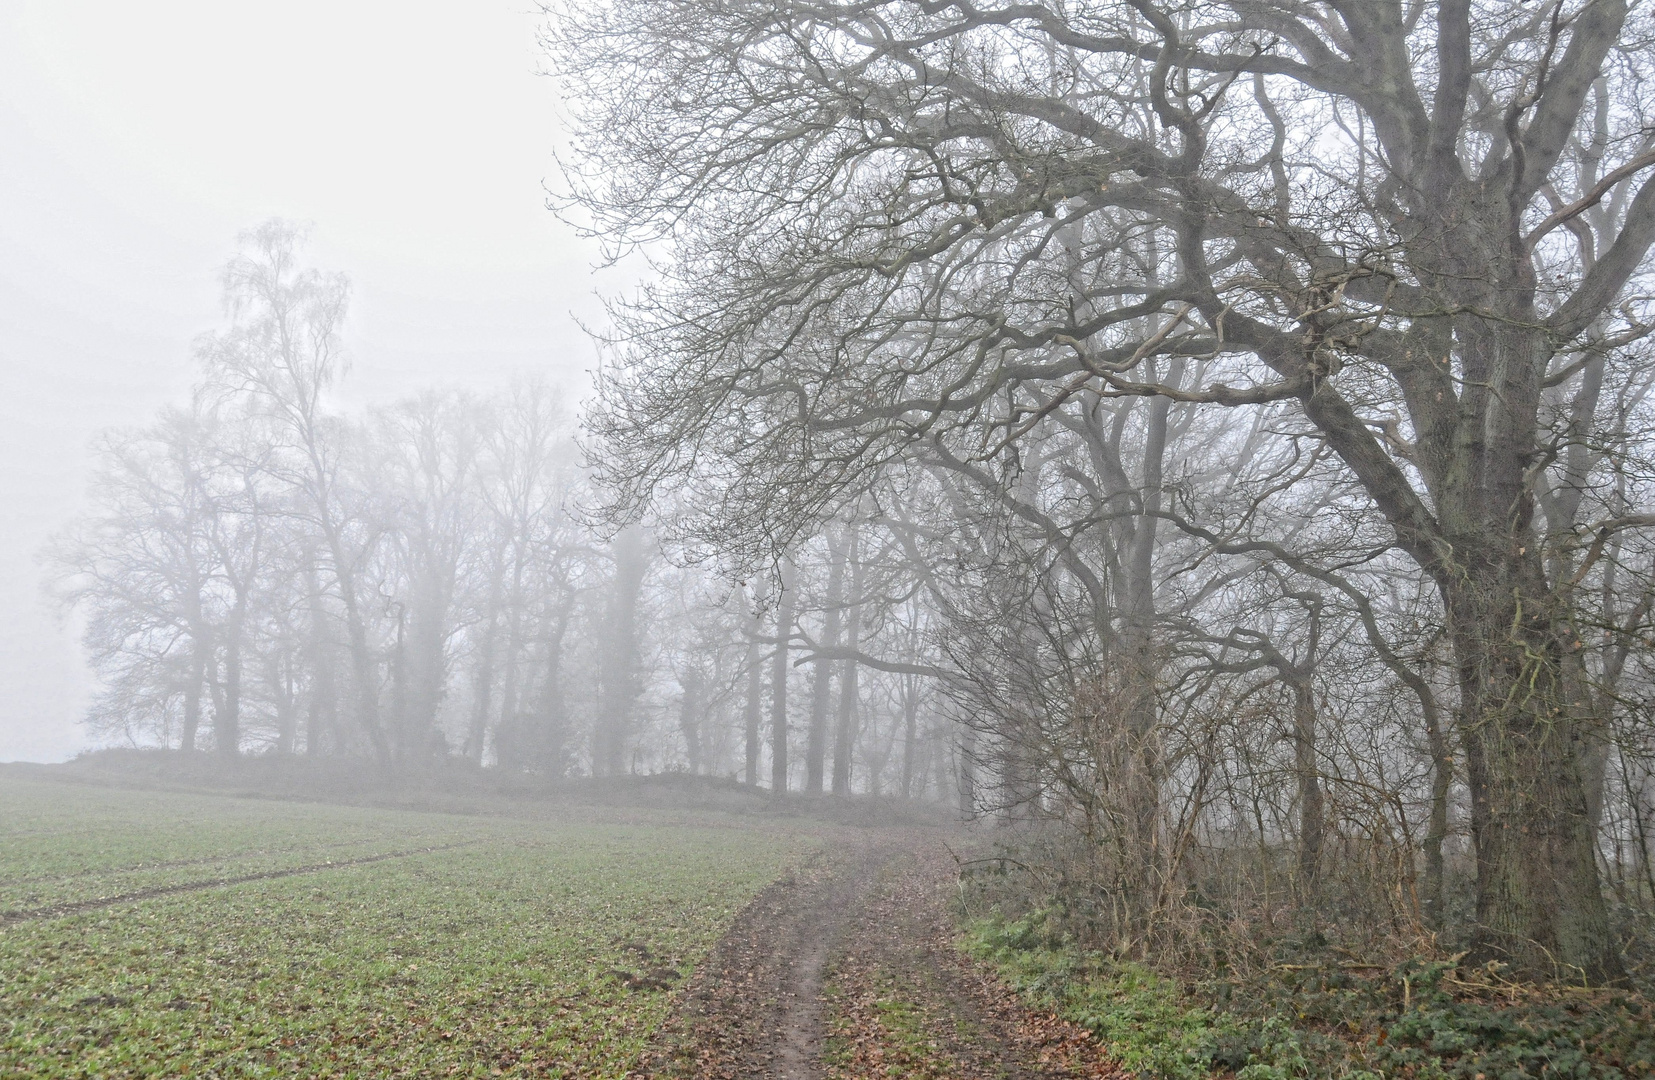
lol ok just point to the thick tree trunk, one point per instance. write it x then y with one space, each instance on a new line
689 718
1136 660
1442 775
778 683
192 696
1478 434
508 739
426 666
846 723
1142 665
482 693
910 733
1139 669
755 688
227 717
322 704
286 704
822 690
1312 827
620 667
1540 905
321 710
397 672
365 668
844 732
1020 794
551 726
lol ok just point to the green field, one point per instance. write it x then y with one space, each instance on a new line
380 942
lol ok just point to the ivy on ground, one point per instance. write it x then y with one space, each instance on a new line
1422 1020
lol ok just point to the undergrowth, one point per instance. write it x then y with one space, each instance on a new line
1422 1020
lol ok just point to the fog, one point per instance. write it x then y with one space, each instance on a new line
1164 489
137 141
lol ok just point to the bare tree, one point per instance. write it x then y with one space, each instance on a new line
1418 228
428 449
786 608
143 568
282 355
619 665
754 710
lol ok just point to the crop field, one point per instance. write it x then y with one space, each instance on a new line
159 934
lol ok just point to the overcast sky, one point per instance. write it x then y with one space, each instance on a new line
137 140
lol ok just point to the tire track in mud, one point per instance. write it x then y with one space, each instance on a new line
175 864
910 1003
75 907
868 918
753 1009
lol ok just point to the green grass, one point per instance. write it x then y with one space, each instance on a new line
1141 1019
533 949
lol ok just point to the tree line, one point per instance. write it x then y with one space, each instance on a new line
263 573
1254 393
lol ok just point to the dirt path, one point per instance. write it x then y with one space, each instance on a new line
848 969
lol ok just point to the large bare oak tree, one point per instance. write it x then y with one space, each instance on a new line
895 228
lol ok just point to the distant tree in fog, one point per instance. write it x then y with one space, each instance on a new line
145 574
278 360
426 452
263 571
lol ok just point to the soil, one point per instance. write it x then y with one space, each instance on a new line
849 969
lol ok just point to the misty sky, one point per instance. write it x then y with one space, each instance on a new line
137 140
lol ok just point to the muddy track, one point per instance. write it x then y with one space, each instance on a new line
75 907
173 864
802 986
